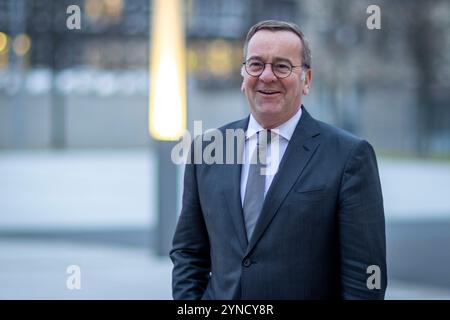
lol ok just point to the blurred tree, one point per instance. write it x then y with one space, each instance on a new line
414 23
423 39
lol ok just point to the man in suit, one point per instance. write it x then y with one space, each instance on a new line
311 228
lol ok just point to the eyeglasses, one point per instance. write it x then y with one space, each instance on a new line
281 69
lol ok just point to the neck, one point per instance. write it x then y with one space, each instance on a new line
270 123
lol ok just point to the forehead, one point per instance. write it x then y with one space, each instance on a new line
269 44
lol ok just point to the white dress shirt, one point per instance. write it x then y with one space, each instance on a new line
281 134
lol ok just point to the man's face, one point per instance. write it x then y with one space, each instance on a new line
273 101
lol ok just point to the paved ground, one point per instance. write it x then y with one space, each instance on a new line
78 189
37 270
419 252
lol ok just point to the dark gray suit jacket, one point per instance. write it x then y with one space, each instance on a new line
321 226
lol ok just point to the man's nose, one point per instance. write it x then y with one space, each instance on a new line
267 75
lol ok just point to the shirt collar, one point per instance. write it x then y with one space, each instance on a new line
286 130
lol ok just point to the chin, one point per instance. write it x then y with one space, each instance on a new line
269 109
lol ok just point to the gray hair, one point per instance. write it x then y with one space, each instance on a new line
277 25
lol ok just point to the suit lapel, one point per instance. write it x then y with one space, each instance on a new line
231 176
301 147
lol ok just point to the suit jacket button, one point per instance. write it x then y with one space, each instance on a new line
247 263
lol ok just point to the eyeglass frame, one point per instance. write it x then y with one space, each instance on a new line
266 63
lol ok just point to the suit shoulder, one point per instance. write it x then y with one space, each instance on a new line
343 144
340 140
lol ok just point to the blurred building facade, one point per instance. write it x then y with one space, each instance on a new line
88 88
62 88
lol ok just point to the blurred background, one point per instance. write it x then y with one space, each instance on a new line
78 169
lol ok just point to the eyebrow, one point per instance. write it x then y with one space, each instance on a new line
274 59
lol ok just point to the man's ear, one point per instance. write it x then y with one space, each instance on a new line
307 78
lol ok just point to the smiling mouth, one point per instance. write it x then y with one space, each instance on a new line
268 92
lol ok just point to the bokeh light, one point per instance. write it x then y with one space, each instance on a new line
3 42
22 44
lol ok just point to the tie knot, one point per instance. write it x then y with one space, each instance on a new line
264 138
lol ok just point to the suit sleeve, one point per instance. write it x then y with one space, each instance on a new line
190 251
362 227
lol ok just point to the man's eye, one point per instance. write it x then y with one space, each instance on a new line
282 67
255 64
